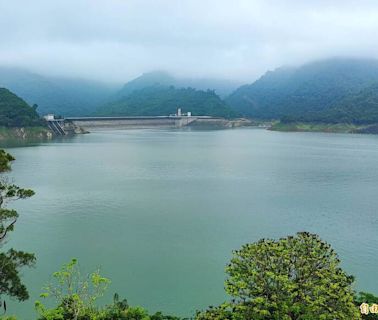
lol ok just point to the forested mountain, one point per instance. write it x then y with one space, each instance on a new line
309 91
359 108
333 90
164 100
221 87
77 97
15 112
60 96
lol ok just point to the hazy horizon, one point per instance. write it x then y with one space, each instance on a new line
111 82
117 40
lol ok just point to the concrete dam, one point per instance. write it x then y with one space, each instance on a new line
72 125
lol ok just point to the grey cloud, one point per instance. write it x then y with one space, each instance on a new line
115 40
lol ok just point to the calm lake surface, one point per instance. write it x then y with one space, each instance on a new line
160 211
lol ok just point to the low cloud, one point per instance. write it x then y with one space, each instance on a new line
116 40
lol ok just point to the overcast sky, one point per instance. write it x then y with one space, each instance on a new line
233 39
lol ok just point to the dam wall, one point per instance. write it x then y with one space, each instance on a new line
75 125
124 123
131 122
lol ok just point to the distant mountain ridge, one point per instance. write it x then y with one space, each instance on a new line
78 97
333 90
61 96
161 78
309 92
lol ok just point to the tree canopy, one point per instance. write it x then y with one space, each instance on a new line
298 277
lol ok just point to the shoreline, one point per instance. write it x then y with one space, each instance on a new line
25 133
45 134
324 127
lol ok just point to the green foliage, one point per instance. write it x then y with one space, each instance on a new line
76 296
164 100
120 310
5 160
75 293
10 282
293 278
11 261
15 112
330 91
226 311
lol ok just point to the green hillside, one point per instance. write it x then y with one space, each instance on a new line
306 92
358 108
15 112
164 100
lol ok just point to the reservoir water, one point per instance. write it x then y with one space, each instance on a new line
160 211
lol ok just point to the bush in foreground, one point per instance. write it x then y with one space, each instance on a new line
76 296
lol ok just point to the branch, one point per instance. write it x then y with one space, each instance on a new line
7 229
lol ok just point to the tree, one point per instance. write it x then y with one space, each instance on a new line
76 296
298 277
12 260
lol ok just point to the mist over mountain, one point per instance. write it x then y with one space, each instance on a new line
160 93
331 90
221 87
307 91
62 96
79 97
